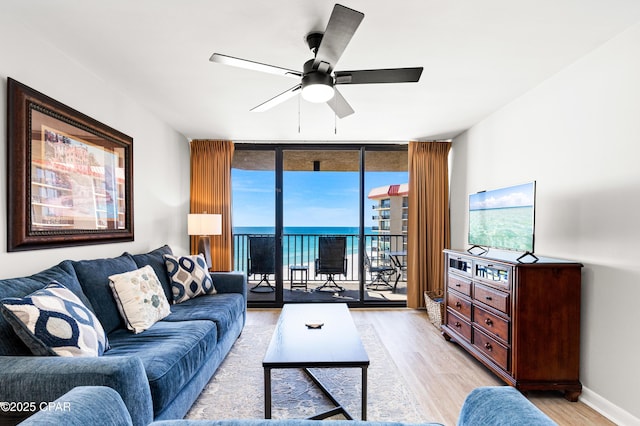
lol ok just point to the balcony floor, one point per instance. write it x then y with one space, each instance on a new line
351 293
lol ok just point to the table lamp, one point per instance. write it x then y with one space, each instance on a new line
203 225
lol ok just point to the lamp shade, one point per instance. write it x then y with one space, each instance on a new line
204 224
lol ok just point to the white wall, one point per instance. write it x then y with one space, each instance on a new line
578 136
161 155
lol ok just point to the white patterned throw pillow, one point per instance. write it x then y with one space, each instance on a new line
189 277
140 298
54 321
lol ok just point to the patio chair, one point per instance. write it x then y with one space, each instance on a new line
262 261
397 260
380 275
332 260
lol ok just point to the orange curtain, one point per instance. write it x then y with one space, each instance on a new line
211 193
428 232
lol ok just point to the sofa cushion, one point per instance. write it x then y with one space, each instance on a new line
140 298
83 405
171 352
189 277
223 309
54 321
155 259
288 422
10 343
93 276
500 405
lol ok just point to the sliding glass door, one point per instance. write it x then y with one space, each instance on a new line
320 194
331 221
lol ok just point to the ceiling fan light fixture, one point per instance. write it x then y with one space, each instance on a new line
317 87
317 93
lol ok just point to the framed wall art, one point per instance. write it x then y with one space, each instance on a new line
70 177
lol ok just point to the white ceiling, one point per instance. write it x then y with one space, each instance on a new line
477 55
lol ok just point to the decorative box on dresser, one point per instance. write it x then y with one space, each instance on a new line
520 319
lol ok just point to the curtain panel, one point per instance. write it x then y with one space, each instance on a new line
211 193
428 228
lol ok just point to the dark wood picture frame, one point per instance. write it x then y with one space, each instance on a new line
70 177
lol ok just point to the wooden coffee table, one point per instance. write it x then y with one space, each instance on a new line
336 344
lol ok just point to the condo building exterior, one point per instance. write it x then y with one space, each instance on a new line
390 213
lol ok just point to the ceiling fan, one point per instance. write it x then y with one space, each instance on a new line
318 78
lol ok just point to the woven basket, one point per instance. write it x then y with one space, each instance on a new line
435 307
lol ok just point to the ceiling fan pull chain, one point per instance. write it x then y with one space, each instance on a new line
335 117
298 114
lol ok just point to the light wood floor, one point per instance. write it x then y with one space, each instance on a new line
439 373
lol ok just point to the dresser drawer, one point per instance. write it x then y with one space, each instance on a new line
458 324
459 284
491 348
459 304
494 298
492 324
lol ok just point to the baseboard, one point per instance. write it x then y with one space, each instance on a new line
611 411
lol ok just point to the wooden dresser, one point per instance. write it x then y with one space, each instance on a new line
520 319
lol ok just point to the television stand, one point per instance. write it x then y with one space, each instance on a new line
480 250
527 254
521 320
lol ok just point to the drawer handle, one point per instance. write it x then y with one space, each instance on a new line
488 322
457 285
488 297
458 305
488 347
457 324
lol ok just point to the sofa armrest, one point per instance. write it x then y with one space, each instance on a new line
500 405
83 405
230 282
44 379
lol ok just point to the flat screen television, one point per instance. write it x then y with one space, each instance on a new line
503 218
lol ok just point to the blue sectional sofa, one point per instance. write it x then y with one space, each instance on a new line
157 373
484 406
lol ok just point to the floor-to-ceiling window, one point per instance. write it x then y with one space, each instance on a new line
309 201
386 183
253 180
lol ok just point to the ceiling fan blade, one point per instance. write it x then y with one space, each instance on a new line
289 93
339 105
394 75
255 66
343 23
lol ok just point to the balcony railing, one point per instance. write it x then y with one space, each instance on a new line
302 249
385 216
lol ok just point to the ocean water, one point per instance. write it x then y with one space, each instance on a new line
300 243
307 230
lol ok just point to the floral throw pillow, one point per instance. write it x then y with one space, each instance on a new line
140 298
54 321
189 277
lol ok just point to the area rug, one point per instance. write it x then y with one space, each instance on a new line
236 391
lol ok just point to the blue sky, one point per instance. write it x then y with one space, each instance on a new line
310 198
513 196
